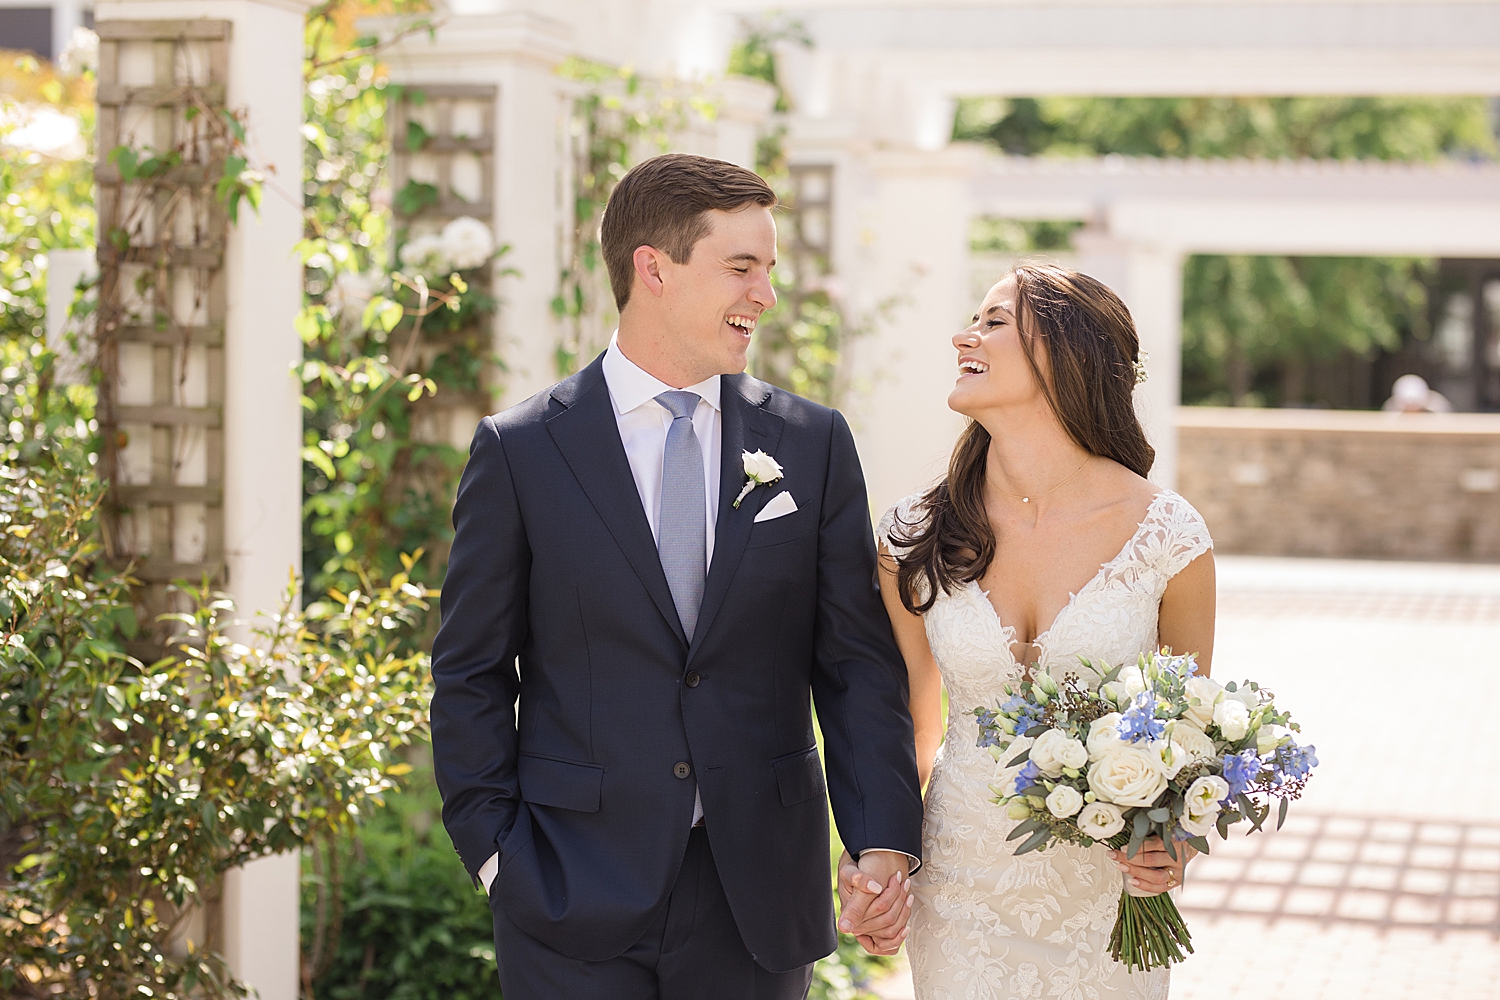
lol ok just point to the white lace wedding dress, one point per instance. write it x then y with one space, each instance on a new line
988 925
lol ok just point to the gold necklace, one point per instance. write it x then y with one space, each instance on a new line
1054 489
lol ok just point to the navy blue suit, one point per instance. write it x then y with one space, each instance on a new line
584 789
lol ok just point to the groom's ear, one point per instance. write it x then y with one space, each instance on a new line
649 263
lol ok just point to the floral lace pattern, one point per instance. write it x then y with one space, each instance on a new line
988 925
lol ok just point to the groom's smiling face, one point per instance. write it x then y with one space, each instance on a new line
711 303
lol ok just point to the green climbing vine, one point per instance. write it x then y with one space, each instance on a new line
619 117
395 326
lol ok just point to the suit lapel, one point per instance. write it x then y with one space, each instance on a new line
589 438
748 426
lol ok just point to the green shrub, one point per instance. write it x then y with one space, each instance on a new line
388 911
127 790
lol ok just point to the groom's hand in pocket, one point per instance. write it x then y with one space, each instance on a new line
875 900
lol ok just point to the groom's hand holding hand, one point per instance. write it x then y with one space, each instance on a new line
875 900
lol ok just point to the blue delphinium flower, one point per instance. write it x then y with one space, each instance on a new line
1027 776
1240 770
1025 713
1294 761
1139 721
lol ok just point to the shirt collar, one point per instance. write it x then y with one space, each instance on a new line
631 386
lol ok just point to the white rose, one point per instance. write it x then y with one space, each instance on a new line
424 253
1128 776
1055 750
1104 735
1203 693
1198 826
351 291
761 467
1134 680
1173 758
1268 738
467 242
1232 718
1244 693
1194 744
1201 804
1100 820
1064 801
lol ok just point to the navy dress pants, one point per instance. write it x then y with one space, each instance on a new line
692 951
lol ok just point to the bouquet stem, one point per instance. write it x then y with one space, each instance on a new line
1149 932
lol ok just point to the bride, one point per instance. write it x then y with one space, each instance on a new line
1044 543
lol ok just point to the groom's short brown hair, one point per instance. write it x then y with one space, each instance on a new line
661 203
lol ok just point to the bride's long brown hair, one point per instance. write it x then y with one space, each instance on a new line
1092 354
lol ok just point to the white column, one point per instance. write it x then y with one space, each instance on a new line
911 218
743 105
262 411
518 52
1149 280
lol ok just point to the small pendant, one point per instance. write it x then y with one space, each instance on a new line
1026 499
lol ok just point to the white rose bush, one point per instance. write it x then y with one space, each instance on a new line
1153 749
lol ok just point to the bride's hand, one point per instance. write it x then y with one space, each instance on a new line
874 912
1152 869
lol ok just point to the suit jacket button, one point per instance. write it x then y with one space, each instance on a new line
682 769
693 678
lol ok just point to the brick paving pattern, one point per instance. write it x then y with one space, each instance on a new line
1384 883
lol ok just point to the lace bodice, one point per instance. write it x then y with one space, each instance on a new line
991 926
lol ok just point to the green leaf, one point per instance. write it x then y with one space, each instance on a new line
1200 844
324 464
1281 812
1024 827
390 314
1036 841
125 160
1159 815
232 122
1020 758
416 136
414 197
1140 827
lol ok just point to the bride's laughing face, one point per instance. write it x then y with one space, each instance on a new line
993 372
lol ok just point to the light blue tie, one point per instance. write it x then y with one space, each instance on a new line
682 531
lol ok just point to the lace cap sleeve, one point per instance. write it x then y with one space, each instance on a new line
901 518
1185 537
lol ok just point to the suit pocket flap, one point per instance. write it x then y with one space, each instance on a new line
564 784
799 776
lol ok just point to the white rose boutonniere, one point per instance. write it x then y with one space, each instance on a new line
760 470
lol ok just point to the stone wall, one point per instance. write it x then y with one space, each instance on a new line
1344 483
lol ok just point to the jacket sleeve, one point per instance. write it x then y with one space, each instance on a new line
859 679
475 680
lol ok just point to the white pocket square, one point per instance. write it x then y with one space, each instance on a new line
781 505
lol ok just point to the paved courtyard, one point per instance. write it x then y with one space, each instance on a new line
1385 882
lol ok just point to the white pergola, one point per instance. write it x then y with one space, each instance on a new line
1144 217
874 99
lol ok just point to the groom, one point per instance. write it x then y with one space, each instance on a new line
650 820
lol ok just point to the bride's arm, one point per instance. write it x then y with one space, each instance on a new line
1187 612
1187 625
926 703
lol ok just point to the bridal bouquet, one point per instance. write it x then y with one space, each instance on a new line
1148 750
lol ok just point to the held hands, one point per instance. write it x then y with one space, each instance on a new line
875 900
1152 869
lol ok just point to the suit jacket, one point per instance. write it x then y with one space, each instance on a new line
584 788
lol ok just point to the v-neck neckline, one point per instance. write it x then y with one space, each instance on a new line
1009 631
